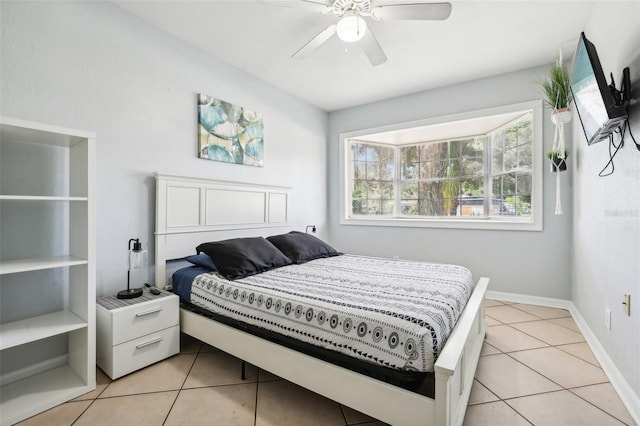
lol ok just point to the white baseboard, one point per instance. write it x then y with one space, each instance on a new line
32 370
626 394
530 300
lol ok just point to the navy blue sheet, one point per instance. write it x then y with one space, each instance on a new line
182 280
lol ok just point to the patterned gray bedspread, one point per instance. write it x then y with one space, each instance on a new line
394 313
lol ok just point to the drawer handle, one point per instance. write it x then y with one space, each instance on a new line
152 311
150 342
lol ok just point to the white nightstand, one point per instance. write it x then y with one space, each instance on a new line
134 333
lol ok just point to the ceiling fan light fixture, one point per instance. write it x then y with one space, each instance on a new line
351 28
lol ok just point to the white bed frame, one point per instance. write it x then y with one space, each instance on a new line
190 211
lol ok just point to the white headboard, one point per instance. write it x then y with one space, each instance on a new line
190 211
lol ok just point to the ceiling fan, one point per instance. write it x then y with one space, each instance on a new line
352 27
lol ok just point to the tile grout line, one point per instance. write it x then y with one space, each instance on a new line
538 338
500 400
487 388
591 403
83 411
92 400
522 415
540 373
505 400
181 386
344 416
527 334
549 345
171 408
224 385
545 319
542 319
537 316
255 405
564 326
521 396
567 352
132 394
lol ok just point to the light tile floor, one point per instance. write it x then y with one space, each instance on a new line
535 368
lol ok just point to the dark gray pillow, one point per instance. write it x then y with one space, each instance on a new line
301 247
202 259
242 257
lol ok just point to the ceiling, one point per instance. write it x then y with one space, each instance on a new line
480 39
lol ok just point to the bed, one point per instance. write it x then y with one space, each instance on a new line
190 211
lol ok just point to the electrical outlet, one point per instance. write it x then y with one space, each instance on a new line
626 304
607 318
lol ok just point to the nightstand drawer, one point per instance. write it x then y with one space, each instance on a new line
135 354
144 318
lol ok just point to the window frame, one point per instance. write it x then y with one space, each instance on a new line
532 223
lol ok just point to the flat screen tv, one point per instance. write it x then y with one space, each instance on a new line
599 111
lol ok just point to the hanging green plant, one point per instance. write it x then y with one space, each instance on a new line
556 87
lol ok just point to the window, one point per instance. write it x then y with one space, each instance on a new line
373 174
511 168
479 170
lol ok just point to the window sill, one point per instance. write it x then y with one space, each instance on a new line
496 224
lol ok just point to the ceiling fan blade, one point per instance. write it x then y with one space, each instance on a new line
315 42
312 6
372 49
412 12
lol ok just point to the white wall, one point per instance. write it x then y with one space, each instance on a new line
606 219
95 67
525 262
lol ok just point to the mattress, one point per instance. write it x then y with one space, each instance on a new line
393 313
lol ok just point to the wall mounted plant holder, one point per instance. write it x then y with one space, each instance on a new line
560 117
557 164
557 90
559 154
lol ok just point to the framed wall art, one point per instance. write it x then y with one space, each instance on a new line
229 133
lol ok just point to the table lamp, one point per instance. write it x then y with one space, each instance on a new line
137 261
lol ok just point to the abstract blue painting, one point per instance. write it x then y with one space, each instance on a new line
229 133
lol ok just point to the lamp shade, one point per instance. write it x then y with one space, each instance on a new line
137 266
137 259
138 271
351 28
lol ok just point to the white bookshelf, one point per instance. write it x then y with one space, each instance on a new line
47 267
